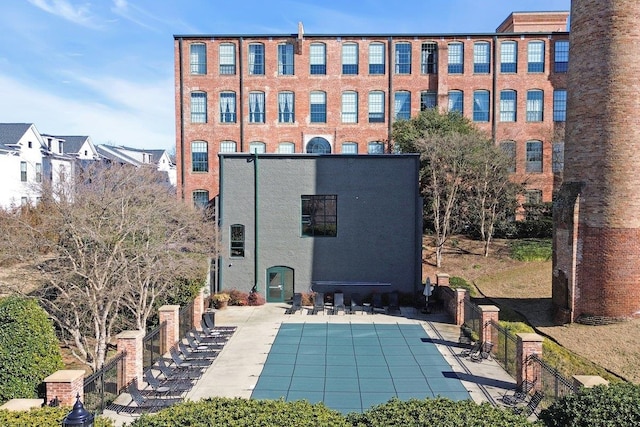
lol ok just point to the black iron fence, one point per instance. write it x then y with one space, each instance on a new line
473 318
504 347
102 387
152 345
548 379
185 317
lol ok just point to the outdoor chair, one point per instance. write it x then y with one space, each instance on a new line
484 353
475 348
206 340
531 406
318 303
166 387
188 353
356 303
208 320
216 333
376 304
182 360
193 345
178 373
143 403
519 394
296 304
338 303
394 303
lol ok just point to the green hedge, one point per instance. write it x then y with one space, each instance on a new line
29 350
43 417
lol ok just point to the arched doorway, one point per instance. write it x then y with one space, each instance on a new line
279 283
318 145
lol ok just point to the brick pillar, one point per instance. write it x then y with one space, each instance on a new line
65 385
131 342
169 315
528 344
489 313
461 295
198 309
442 279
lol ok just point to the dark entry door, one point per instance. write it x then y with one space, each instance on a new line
279 284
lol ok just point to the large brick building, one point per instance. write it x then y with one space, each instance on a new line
341 93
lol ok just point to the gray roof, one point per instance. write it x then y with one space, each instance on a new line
73 143
10 133
115 154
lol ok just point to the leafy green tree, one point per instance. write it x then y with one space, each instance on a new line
29 350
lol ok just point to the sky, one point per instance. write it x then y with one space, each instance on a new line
104 68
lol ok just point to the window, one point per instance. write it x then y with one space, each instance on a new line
317 59
509 149
557 160
535 57
319 215
285 59
198 107
227 147
200 198
318 108
286 110
199 157
257 147
429 59
349 58
403 58
402 105
349 148
198 58
286 148
349 107
376 107
455 101
376 58
38 172
227 107
318 145
227 58
256 59
533 197
481 106
559 105
236 240
534 156
24 201
456 58
509 57
23 171
561 56
534 105
256 107
481 58
508 106
428 100
375 147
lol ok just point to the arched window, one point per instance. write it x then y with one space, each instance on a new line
318 145
257 147
198 58
200 198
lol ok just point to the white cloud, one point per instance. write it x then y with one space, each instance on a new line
80 15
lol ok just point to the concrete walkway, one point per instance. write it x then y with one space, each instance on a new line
235 372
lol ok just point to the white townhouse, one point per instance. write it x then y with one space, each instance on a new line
139 157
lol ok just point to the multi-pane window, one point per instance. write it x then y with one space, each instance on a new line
559 105
256 59
561 56
402 105
403 58
286 107
375 147
481 58
286 148
23 171
319 215
509 149
317 59
227 58
455 101
349 107
318 145
200 198
535 56
376 58
257 147
534 156
429 58
481 106
227 147
198 107
428 100
285 59
318 107
236 240
508 106
199 156
508 57
349 58
227 107
557 159
456 58
198 58
38 172
256 107
349 148
533 197
534 105
376 107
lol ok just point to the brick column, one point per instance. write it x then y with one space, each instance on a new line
169 315
65 385
198 309
442 279
489 313
528 344
461 295
131 342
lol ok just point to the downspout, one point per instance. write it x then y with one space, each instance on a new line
494 84
181 118
219 223
255 223
241 94
390 97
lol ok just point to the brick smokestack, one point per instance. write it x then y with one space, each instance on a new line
596 262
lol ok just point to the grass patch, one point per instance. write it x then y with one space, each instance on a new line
458 282
531 250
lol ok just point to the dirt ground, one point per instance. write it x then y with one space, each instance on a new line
526 288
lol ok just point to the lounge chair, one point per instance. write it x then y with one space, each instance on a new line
318 303
212 340
376 304
181 360
531 406
178 373
189 354
356 303
338 303
194 346
519 394
475 348
166 387
208 319
296 304
484 353
394 303
144 403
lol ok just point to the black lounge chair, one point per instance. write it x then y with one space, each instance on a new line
531 406
196 354
376 304
394 303
338 303
194 346
519 394
178 373
318 303
483 353
166 387
296 304
208 320
356 303
475 348
144 403
182 360
201 339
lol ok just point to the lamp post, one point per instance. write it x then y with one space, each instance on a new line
78 417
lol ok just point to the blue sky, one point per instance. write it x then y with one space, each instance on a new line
104 68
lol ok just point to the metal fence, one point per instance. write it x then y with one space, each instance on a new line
185 317
152 347
504 347
101 387
548 379
473 318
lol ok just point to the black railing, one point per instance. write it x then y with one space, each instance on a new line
473 318
548 379
102 387
185 317
504 349
152 345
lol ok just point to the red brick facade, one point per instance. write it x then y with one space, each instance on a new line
420 78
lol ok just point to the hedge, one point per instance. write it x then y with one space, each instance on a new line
43 417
